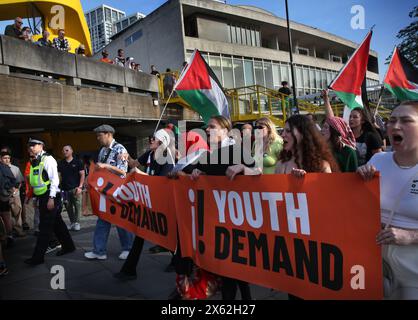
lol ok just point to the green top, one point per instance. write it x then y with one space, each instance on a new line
270 158
347 159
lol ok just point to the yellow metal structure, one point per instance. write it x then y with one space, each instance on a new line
74 23
253 102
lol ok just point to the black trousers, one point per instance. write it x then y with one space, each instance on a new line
230 286
50 223
129 267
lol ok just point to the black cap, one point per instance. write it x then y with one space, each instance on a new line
104 128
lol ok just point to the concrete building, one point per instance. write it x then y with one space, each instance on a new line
244 45
127 21
101 22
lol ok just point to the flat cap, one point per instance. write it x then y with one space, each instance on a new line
104 128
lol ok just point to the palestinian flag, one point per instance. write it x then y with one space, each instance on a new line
347 84
402 78
200 88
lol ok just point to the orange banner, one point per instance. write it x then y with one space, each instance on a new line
313 237
138 203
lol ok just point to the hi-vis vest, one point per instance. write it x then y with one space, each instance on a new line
36 180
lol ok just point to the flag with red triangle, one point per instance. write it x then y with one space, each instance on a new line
402 78
201 89
347 84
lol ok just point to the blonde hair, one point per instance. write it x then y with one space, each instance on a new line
272 133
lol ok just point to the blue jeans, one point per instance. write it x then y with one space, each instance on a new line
101 235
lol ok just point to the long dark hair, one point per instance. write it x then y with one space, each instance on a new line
315 149
367 125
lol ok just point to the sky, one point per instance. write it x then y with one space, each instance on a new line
333 16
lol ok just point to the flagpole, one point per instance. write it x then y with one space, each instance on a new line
169 97
383 85
292 66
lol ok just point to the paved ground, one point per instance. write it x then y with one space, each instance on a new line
92 279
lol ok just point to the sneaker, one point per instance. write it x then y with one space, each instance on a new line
91 255
71 226
3 270
52 248
76 227
124 255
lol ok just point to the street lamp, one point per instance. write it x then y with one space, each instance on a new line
292 67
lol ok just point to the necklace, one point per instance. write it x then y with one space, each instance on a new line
403 167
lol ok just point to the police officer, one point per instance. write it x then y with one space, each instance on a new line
44 180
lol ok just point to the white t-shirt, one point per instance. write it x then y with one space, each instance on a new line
393 181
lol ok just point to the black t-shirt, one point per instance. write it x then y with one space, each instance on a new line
285 90
212 164
152 167
365 144
70 173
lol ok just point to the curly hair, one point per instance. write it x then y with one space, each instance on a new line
315 149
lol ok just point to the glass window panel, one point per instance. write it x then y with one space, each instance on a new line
205 56
125 23
239 40
318 79
312 78
249 72
329 77
93 18
257 38
324 79
227 72
215 64
253 43
268 71
259 75
114 15
248 32
299 83
99 16
108 15
276 76
305 78
239 73
284 70
234 34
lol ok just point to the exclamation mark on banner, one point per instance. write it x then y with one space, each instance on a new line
192 198
201 218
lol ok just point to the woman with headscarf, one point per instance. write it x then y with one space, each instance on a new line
342 142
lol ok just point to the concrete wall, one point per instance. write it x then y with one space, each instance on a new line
161 42
17 53
26 96
211 29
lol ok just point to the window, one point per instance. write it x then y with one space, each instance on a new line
132 19
254 43
114 15
248 33
311 78
284 70
132 38
227 72
124 23
239 40
239 72
93 18
324 79
268 71
99 16
302 51
233 34
318 79
88 19
259 74
305 78
336 59
257 38
299 83
108 16
215 64
249 72
276 76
